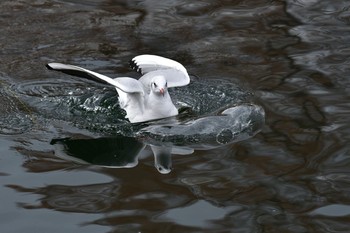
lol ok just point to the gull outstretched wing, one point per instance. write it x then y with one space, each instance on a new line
125 84
152 65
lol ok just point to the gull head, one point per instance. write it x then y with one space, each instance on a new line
159 85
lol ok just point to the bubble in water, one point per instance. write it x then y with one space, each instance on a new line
224 136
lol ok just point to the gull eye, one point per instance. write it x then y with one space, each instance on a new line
154 84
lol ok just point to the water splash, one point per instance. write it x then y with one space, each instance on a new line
230 125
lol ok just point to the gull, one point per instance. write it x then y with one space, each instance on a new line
144 99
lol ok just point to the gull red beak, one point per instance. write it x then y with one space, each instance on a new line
161 90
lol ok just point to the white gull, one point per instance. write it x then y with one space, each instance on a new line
144 99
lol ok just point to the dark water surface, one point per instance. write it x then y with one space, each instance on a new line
293 176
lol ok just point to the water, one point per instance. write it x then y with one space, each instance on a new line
293 176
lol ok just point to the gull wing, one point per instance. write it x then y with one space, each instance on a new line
152 65
125 84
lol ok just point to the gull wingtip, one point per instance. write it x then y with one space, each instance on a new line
57 66
48 66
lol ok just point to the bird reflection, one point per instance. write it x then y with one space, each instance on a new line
116 152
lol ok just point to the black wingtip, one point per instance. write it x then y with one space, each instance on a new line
134 66
48 67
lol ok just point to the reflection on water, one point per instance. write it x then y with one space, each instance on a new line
112 152
291 177
232 125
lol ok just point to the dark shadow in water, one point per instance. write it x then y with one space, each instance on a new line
117 151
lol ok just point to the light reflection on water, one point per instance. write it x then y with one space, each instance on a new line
291 177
